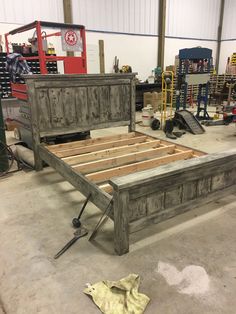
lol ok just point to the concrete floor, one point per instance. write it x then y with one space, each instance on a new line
187 264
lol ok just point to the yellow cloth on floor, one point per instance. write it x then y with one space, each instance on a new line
119 297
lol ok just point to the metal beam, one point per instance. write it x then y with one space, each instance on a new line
67 10
219 35
161 33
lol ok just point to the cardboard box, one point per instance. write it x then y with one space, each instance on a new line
170 68
154 99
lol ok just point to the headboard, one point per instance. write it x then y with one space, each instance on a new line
63 104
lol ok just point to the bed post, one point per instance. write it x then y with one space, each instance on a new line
36 142
34 124
132 105
121 221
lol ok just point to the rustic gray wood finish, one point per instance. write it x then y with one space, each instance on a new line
71 103
98 197
157 194
64 104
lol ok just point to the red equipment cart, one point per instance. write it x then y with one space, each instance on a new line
72 64
70 33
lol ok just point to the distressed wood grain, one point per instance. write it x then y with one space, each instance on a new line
74 103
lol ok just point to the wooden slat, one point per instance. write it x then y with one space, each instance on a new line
105 175
101 146
184 148
106 188
112 152
76 144
123 160
99 197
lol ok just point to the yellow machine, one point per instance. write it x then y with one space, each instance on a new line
167 87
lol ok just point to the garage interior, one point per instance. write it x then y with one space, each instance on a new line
117 156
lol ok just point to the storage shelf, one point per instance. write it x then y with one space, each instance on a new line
5 84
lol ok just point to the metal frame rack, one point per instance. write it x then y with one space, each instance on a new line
5 84
72 64
194 68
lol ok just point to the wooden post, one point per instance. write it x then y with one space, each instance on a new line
222 5
34 125
121 222
101 56
161 33
67 8
132 106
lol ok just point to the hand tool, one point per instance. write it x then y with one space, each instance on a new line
76 221
81 232
101 221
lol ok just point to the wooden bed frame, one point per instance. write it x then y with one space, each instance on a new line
144 179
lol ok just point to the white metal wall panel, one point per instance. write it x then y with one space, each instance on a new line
229 20
125 16
193 18
27 11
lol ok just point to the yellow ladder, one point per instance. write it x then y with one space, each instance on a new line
165 89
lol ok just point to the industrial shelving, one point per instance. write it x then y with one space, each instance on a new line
34 66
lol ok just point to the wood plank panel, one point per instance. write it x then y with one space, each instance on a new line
96 147
104 103
76 103
96 140
105 175
116 109
123 160
56 108
125 101
112 152
94 106
86 127
69 106
82 107
43 110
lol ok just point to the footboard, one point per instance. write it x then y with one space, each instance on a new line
157 194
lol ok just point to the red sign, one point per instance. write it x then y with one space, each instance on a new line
71 40
71 37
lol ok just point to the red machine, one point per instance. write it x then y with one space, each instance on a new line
72 64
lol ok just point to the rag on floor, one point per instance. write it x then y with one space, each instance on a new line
119 297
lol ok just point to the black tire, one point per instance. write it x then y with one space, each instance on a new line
155 125
169 126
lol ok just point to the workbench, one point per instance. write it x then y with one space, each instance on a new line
144 180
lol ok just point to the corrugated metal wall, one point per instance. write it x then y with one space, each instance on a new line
229 20
26 11
193 19
185 18
124 16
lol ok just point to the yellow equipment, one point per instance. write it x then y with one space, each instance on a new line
167 87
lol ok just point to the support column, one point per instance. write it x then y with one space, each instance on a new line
121 222
161 33
101 56
222 6
67 8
